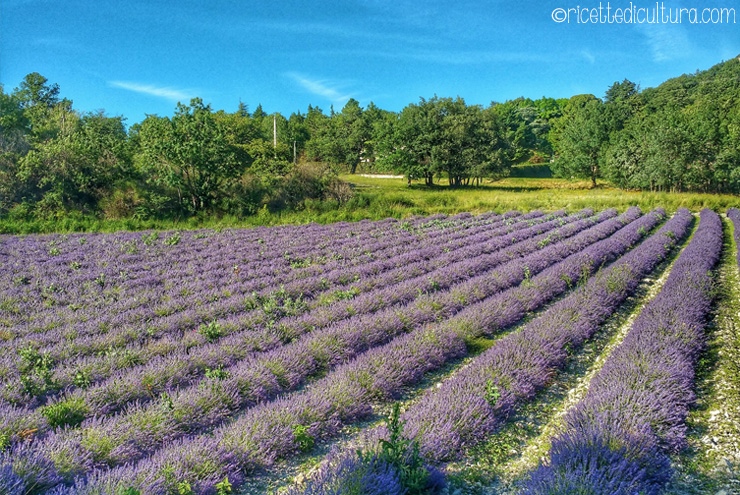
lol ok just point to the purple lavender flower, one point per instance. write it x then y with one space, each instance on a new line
635 410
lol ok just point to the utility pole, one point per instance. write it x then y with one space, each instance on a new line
274 134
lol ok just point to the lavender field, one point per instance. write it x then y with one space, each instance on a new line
269 359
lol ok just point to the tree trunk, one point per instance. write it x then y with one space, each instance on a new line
594 171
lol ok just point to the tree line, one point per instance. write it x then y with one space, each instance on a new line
679 136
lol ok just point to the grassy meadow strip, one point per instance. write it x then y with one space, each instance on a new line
263 434
616 440
379 198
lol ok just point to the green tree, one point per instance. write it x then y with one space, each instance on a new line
415 133
189 155
342 139
80 165
472 145
316 124
352 134
446 136
298 134
581 134
621 102
34 91
42 107
14 144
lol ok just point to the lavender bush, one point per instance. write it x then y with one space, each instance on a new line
635 410
268 432
285 336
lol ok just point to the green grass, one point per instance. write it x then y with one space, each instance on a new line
529 194
377 198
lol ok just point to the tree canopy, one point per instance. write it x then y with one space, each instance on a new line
679 136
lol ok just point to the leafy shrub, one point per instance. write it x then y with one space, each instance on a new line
36 372
303 438
150 238
223 487
217 373
211 331
173 239
69 412
403 455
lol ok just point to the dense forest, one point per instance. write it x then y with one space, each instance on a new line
55 160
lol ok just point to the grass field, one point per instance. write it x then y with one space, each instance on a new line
525 194
377 198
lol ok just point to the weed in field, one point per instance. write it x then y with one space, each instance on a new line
211 331
69 412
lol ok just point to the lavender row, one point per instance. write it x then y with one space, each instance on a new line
262 378
267 432
219 268
229 294
95 368
406 284
59 255
616 440
123 333
470 405
287 368
519 365
108 272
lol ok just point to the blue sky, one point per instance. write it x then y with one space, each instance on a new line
136 57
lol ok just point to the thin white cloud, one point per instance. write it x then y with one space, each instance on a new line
168 93
667 42
588 56
331 90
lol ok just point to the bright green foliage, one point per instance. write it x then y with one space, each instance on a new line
68 412
218 373
223 487
681 135
446 136
526 126
78 163
582 133
189 155
403 454
211 331
303 438
342 139
36 371
493 394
